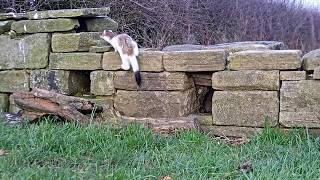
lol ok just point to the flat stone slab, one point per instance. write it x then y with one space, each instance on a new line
4 102
100 24
316 73
15 16
102 83
293 75
63 82
15 80
5 26
29 52
46 25
155 104
245 108
311 60
149 61
69 13
73 42
164 81
265 60
246 80
300 104
231 131
75 61
195 61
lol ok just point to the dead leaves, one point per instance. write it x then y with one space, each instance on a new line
246 167
3 152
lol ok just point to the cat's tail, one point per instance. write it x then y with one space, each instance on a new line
135 68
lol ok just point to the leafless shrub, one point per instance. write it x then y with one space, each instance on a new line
158 23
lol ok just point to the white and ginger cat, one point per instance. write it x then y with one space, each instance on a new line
127 49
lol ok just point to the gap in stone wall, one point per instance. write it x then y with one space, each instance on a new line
79 82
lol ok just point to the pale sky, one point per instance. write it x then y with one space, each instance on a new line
312 2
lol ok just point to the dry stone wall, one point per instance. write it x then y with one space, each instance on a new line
230 89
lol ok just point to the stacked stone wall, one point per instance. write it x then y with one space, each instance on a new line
240 86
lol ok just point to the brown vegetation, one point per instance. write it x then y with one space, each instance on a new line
165 22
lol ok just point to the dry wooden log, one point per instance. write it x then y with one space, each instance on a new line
39 102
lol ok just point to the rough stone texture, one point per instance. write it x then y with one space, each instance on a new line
5 26
75 61
245 108
148 61
231 131
15 16
100 24
30 52
265 60
100 49
293 75
153 81
12 81
316 73
102 83
47 25
311 60
69 13
300 104
108 113
64 82
4 102
13 108
202 79
230 47
202 119
246 80
76 41
155 103
195 61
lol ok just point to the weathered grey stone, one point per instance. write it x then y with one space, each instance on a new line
316 73
76 42
75 61
300 104
230 47
30 52
102 83
69 13
155 103
194 61
153 81
13 108
108 113
265 60
246 80
231 131
202 79
64 82
100 24
100 49
202 119
12 81
4 102
245 108
5 26
47 25
15 16
293 75
311 60
148 61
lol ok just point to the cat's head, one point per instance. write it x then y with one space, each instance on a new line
107 35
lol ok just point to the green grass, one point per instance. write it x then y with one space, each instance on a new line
51 151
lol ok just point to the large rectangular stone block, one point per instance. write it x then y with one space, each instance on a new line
155 103
102 83
300 104
64 82
245 108
195 61
311 60
246 80
29 52
148 61
75 61
12 81
153 81
265 60
47 25
100 24
76 41
293 75
4 102
69 13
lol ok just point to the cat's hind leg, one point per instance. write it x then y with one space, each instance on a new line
125 63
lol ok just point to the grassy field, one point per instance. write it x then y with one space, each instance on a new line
64 151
